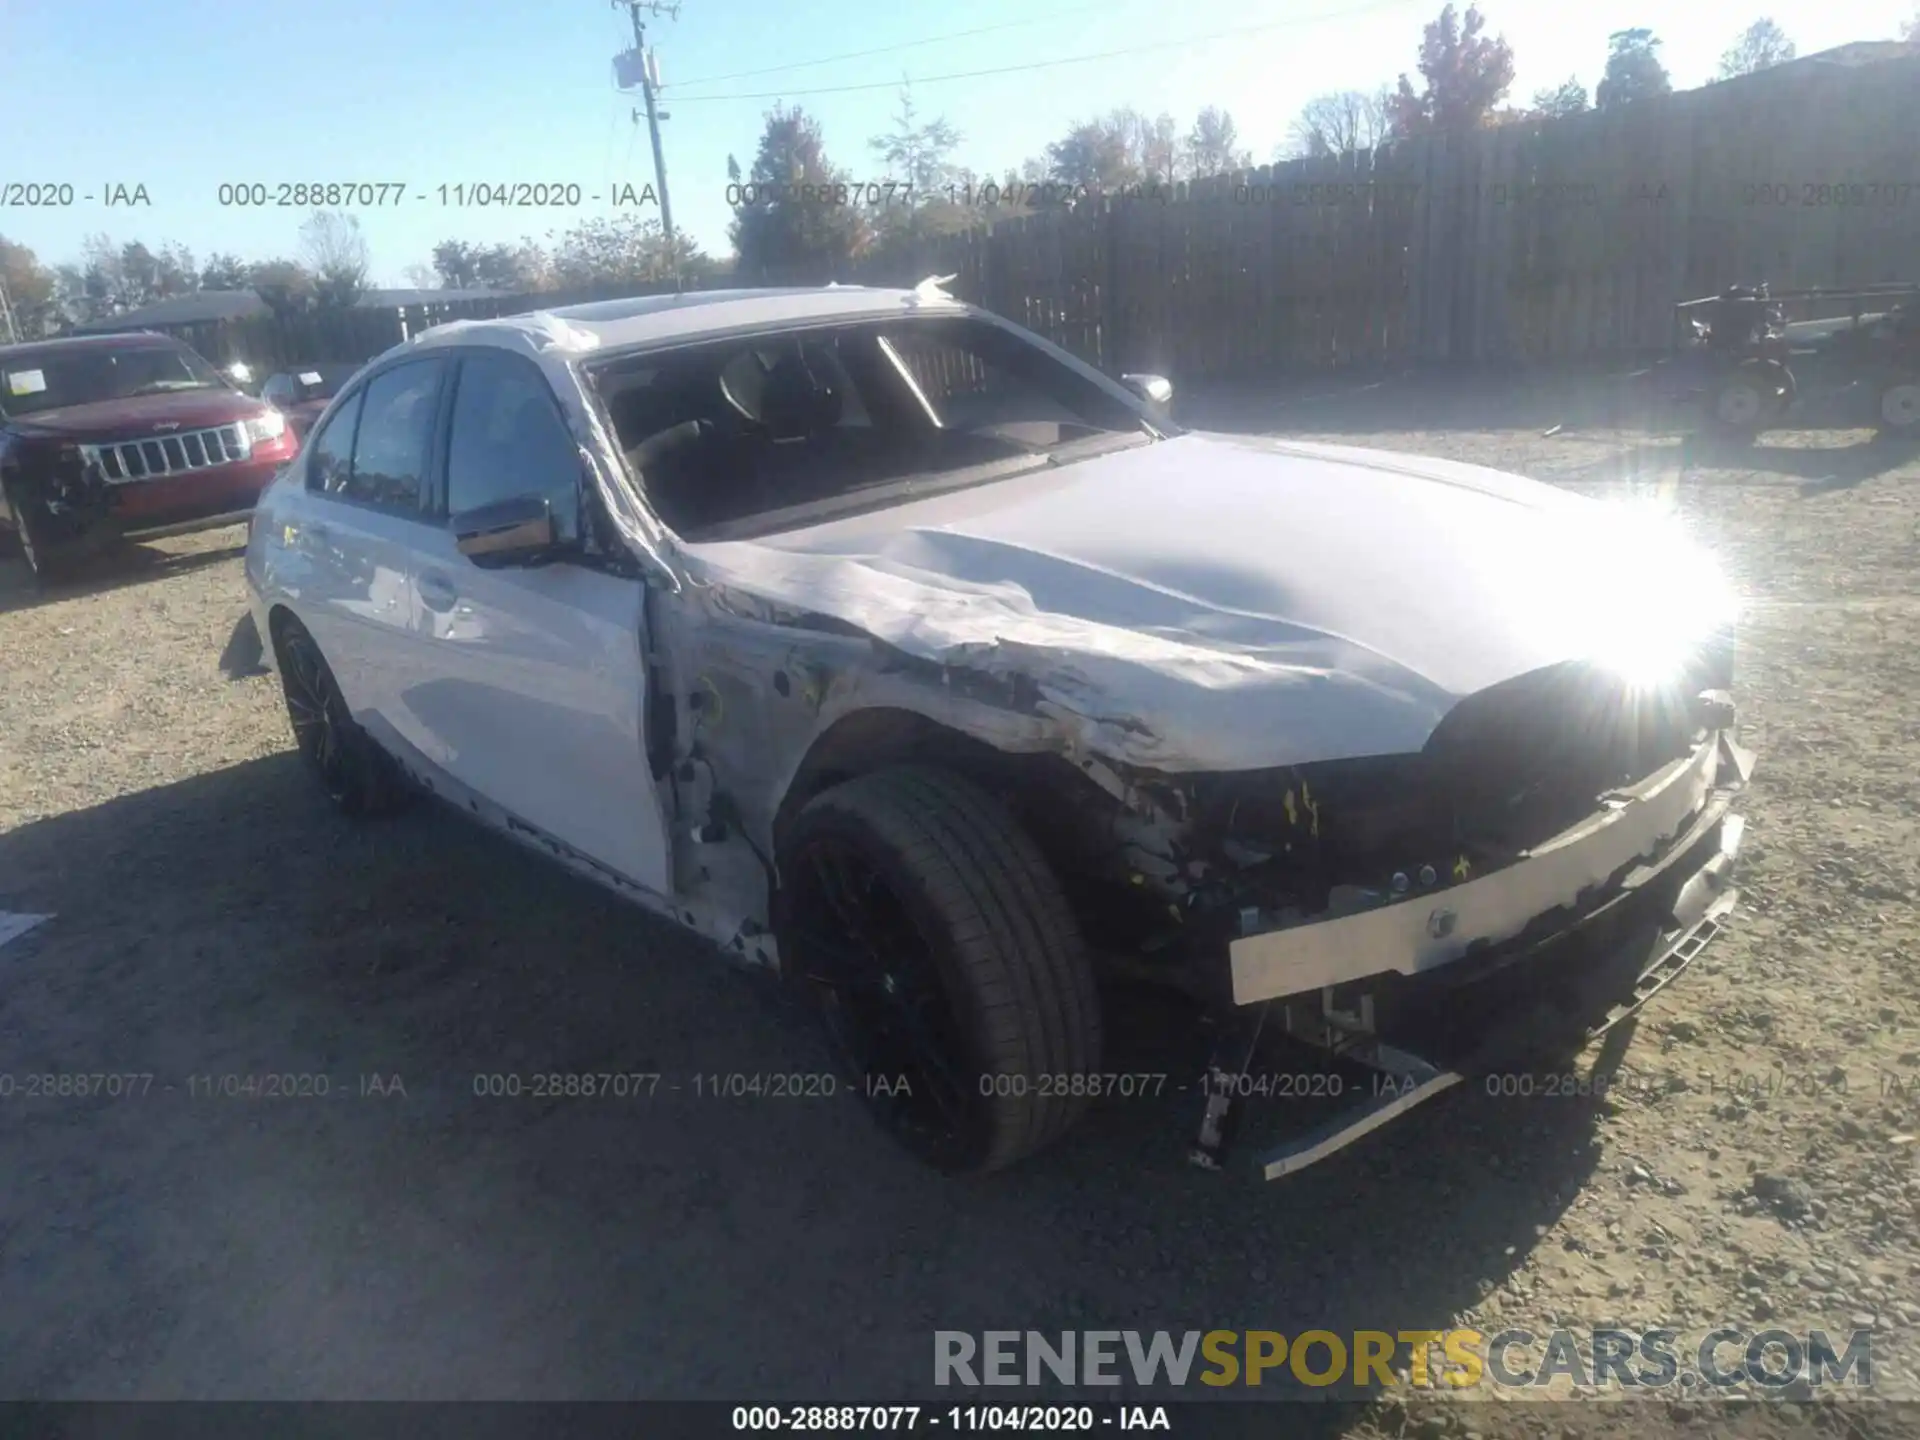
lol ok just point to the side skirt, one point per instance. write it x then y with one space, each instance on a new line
740 936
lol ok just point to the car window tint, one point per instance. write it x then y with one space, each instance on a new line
331 450
508 440
278 390
390 450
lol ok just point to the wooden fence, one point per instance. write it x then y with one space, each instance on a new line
1554 240
1543 241
312 337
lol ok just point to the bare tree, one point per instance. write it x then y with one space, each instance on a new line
1910 30
1160 151
1213 145
336 254
1761 46
1339 123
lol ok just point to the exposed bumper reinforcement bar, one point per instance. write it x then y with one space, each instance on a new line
1694 876
1436 929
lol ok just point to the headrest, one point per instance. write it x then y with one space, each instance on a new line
796 402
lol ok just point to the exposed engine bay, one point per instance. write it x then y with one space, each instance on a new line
1505 770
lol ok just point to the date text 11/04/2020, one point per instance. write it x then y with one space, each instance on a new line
834 1419
1126 1085
1833 1084
457 195
136 1084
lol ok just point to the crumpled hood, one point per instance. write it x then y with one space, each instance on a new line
1216 602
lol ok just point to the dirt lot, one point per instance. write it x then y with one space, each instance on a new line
1755 1165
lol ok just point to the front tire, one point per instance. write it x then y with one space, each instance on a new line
49 564
357 775
1738 406
936 942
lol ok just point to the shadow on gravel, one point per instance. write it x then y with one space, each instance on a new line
1841 469
244 655
326 1236
112 569
1820 469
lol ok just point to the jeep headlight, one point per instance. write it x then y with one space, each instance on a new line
269 425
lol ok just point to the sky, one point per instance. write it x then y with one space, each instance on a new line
182 98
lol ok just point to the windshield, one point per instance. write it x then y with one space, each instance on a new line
768 432
50 379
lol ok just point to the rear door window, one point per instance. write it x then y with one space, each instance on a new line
330 452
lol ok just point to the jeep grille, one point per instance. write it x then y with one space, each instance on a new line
169 454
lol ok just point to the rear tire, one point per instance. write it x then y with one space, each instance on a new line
936 941
357 775
1900 407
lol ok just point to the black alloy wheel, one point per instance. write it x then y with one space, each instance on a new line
354 772
879 992
938 947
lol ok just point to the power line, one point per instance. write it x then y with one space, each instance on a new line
902 45
1157 47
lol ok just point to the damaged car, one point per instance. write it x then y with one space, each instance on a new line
125 437
901 653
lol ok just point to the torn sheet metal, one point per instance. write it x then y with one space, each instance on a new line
1217 603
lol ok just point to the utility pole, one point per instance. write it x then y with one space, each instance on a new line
648 76
6 314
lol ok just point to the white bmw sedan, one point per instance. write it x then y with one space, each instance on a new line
906 656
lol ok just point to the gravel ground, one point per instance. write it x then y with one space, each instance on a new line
1754 1165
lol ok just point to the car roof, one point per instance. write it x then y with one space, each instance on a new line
119 341
657 319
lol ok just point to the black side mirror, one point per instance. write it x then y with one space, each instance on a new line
520 531
1156 390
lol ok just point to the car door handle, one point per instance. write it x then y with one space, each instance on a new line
437 592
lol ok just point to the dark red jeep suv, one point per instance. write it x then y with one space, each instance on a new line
125 437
